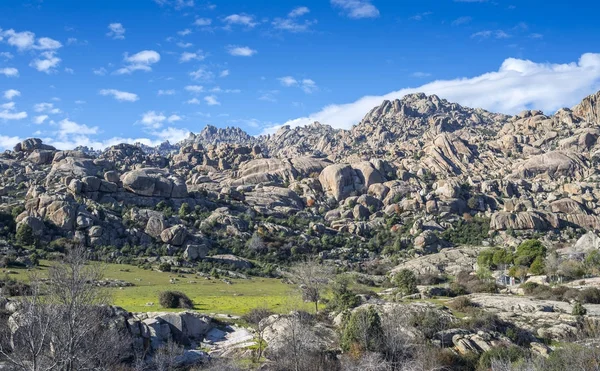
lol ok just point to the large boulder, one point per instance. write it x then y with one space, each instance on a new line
153 182
343 180
31 144
175 235
552 165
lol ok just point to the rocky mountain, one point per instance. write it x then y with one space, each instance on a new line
419 164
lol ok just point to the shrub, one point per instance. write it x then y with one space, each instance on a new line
363 330
25 235
461 304
164 267
578 309
528 251
511 354
590 295
175 299
464 232
406 282
431 279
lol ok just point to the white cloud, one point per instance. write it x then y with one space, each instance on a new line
11 93
6 55
202 22
517 85
184 45
99 71
185 32
224 73
69 70
141 61
218 89
166 92
46 108
298 12
420 74
194 88
152 119
172 135
38 120
211 100
498 34
186 56
193 101
7 112
240 51
117 31
356 9
9 72
7 142
121 96
174 118
10 115
80 102
202 74
461 20
291 25
26 41
307 85
46 63
240 19
288 81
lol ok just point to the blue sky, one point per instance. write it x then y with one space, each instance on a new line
100 72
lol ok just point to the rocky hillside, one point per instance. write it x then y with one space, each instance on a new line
414 175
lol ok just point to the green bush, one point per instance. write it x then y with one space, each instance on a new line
464 232
512 354
164 267
25 236
175 299
406 281
578 309
363 330
528 251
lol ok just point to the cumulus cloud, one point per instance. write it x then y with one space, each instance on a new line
8 142
202 22
46 108
298 12
193 101
356 9
26 40
166 92
240 19
211 100
187 57
116 31
517 85
240 51
11 93
224 73
307 85
38 120
121 96
194 88
141 61
153 119
9 72
8 112
47 62
202 74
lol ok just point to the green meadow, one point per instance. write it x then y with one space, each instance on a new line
209 296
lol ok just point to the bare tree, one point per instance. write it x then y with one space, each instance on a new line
256 317
67 324
165 358
313 278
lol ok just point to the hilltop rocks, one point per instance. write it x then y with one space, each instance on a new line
29 145
153 182
552 165
175 235
343 180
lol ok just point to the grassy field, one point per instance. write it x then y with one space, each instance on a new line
209 296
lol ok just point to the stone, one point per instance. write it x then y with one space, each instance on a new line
175 235
195 252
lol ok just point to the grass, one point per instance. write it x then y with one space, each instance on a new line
209 296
